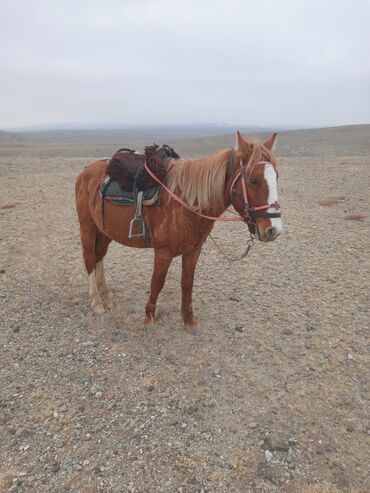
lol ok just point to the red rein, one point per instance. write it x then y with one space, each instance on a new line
185 205
240 175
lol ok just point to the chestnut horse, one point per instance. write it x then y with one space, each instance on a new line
244 177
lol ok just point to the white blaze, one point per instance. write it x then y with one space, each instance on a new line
271 180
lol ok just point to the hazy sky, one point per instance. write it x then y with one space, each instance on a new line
264 62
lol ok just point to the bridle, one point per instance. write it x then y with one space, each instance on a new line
249 213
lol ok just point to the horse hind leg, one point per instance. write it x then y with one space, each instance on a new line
88 233
101 247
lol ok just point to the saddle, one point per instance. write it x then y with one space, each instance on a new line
127 183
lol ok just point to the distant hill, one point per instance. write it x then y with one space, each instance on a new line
338 141
8 137
333 141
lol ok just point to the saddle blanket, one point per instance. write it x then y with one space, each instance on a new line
111 190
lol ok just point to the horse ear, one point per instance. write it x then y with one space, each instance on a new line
269 144
241 143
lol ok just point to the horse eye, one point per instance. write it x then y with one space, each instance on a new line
254 180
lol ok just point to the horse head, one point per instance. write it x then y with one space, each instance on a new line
254 187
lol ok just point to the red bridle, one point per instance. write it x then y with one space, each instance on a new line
250 213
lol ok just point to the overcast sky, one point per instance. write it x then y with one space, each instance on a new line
264 62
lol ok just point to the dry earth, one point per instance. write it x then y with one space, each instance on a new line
270 394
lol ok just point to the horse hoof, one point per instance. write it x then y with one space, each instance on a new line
150 320
191 326
98 309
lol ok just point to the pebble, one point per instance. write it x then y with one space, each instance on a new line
98 395
268 455
55 467
350 427
277 441
183 425
349 356
252 425
292 441
240 328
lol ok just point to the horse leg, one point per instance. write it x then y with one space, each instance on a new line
189 262
101 246
162 261
88 238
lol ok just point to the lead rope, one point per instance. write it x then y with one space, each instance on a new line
250 243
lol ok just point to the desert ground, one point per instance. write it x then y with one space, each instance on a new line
270 394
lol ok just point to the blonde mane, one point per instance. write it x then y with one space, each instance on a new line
201 182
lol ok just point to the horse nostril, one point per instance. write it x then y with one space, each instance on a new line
271 232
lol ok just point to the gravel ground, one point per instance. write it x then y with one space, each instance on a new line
269 395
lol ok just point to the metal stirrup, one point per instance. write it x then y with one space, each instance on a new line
138 218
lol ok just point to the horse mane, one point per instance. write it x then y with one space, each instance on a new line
201 182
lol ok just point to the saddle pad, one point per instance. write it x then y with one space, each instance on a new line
112 191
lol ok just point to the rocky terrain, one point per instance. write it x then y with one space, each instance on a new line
269 395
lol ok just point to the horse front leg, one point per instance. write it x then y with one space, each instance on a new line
189 262
162 262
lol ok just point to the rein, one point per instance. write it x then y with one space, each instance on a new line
185 205
249 213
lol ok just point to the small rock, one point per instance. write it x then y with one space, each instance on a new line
16 329
234 298
2 271
151 388
288 332
350 427
290 462
276 441
252 425
86 462
88 436
240 328
265 472
98 395
55 414
183 426
268 456
349 356
55 467
260 443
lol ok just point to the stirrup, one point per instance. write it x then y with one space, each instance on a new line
138 218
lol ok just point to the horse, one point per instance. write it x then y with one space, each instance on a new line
194 195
